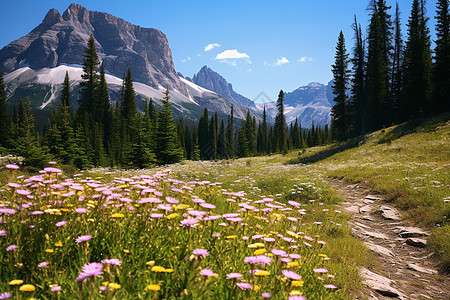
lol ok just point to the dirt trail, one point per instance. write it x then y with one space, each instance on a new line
407 269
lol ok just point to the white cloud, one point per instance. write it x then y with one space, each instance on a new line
211 46
281 61
231 54
249 70
186 59
305 59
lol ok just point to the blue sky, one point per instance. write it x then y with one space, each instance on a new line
264 46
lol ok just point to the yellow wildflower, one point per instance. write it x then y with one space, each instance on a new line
181 206
158 269
58 244
259 251
65 210
153 287
293 264
323 255
231 237
114 286
256 245
169 270
126 250
105 283
150 263
256 288
27 288
262 273
297 283
296 293
15 282
117 215
49 250
172 216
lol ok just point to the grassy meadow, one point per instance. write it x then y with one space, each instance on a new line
252 228
409 164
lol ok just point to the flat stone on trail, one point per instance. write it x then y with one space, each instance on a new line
378 283
379 249
416 242
376 235
421 270
407 232
353 209
372 197
390 213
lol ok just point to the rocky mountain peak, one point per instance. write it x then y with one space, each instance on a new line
213 81
52 17
76 11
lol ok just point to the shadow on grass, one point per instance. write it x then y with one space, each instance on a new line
425 125
332 150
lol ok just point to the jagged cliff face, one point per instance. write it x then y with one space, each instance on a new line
62 39
211 80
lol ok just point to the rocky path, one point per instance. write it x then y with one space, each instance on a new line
406 269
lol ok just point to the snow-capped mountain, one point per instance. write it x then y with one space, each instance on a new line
35 64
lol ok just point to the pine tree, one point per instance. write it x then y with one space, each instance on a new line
203 135
168 151
195 147
396 83
66 99
377 80
417 64
242 147
222 140
5 122
230 134
180 137
90 78
280 130
340 80
129 108
356 106
441 67
142 156
26 143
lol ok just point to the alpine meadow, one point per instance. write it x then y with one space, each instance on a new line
123 178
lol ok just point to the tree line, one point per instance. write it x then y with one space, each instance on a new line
387 80
97 134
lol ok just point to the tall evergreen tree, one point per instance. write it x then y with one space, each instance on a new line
441 67
129 108
203 135
66 99
168 151
280 129
222 140
89 83
417 64
340 80
377 80
5 122
396 83
356 109
230 134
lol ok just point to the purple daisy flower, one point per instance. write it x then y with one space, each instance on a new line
201 252
83 238
112 261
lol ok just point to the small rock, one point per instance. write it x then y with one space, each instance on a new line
368 201
366 209
416 242
390 213
407 232
367 218
379 249
421 269
379 283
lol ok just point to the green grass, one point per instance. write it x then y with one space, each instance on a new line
409 164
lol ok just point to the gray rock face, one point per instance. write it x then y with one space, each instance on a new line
416 242
211 80
312 93
407 232
62 39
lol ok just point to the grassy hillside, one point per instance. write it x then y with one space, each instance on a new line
409 164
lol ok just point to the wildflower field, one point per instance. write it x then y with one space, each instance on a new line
244 229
